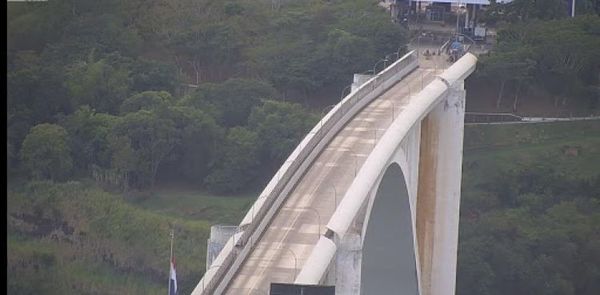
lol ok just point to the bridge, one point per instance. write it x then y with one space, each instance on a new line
368 201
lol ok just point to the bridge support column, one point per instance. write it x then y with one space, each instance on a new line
438 196
347 265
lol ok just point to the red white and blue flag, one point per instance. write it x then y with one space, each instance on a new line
173 279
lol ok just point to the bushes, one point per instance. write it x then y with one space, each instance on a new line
104 232
45 152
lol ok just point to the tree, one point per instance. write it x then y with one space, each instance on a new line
99 84
207 48
573 60
151 138
146 100
232 101
148 75
45 152
347 54
123 163
530 54
238 162
280 127
88 138
199 147
34 94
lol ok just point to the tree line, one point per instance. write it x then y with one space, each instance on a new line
94 88
540 47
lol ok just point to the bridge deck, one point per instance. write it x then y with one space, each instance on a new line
287 243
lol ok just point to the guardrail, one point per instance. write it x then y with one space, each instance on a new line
260 214
474 118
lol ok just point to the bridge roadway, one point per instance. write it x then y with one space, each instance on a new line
296 227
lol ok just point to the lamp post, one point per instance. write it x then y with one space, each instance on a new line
384 60
573 9
323 113
344 91
458 12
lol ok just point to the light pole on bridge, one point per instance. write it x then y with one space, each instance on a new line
459 11
344 91
384 60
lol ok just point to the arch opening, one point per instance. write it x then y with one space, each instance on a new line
388 263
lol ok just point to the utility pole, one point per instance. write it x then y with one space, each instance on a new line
457 18
170 261
573 9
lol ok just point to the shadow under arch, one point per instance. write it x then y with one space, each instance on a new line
388 263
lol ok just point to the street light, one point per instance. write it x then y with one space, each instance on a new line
375 66
458 13
344 91
323 113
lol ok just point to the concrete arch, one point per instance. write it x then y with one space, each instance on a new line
388 263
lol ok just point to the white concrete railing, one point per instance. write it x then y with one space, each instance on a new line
223 268
323 253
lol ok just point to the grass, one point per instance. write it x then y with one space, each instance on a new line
199 205
51 272
493 149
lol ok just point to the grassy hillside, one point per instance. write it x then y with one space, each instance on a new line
71 238
489 149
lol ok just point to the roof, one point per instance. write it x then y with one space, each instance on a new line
482 2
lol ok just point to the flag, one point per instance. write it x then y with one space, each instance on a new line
173 279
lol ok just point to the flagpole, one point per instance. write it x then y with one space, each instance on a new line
170 262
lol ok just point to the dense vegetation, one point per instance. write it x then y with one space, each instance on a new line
71 238
95 88
530 210
541 49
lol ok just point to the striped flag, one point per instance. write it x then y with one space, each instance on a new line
173 279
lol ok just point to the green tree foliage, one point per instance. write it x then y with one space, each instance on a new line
232 101
45 152
559 55
153 75
311 46
34 94
280 127
99 84
88 138
527 10
73 238
237 162
198 148
150 136
146 100
208 47
109 73
540 237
